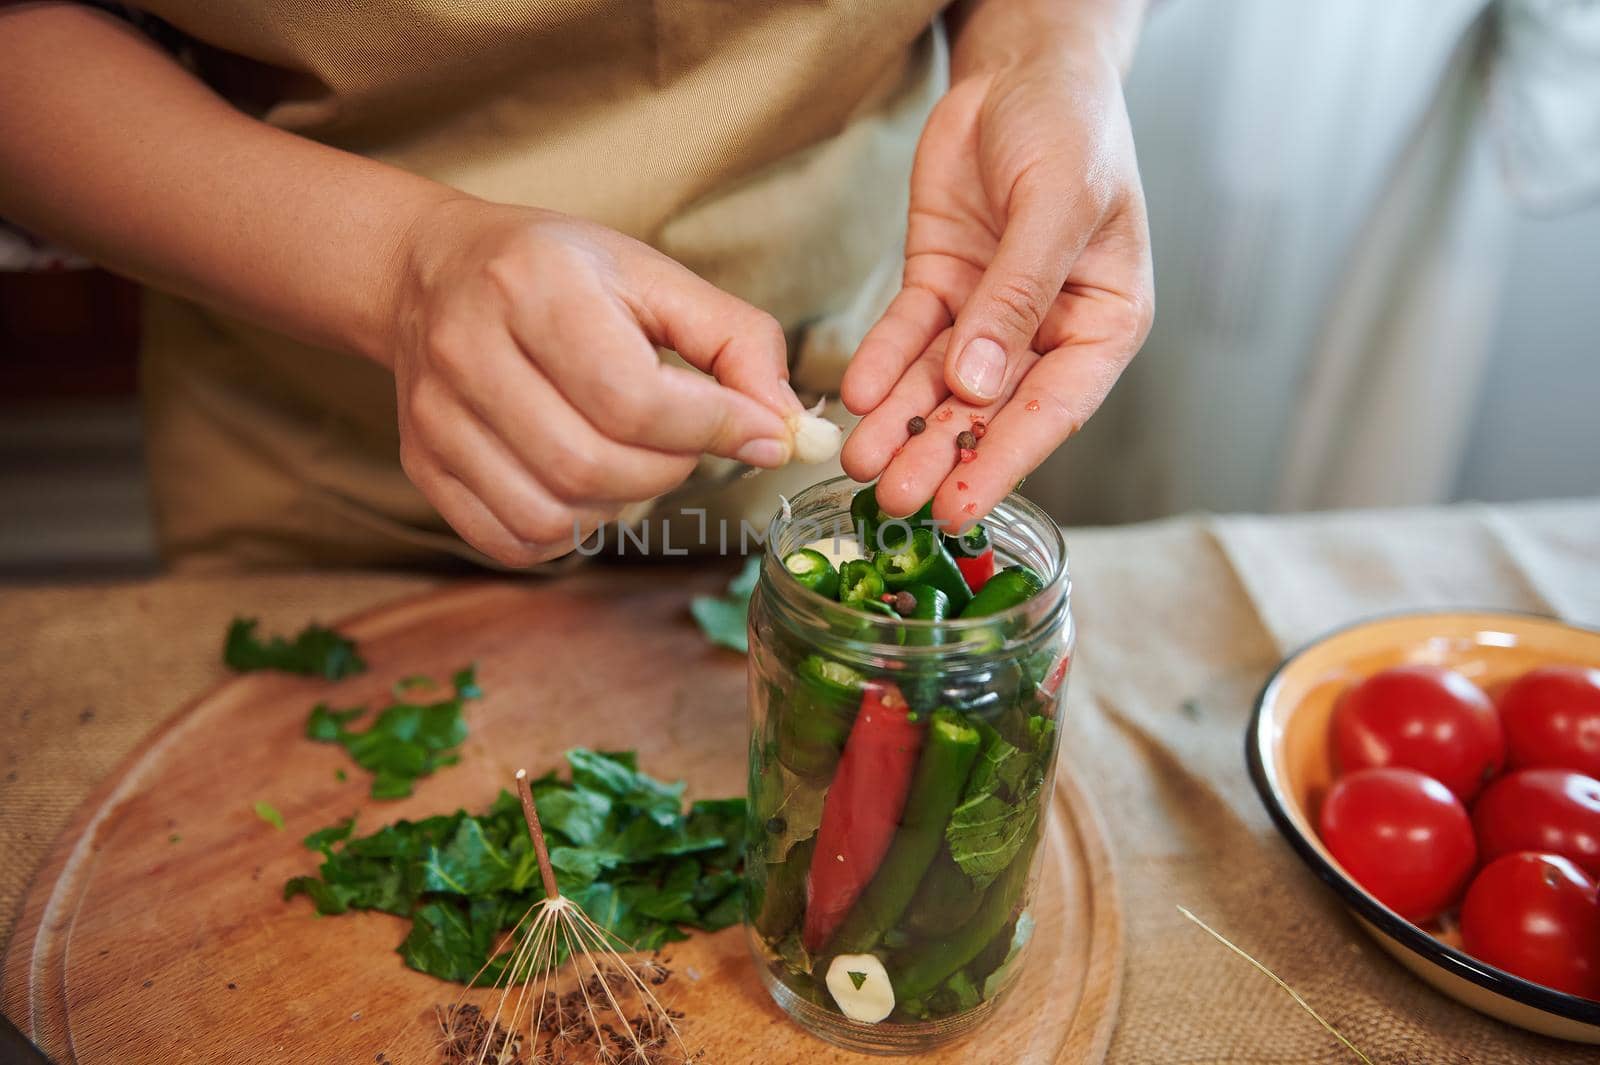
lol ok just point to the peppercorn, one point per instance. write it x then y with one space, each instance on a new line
916 424
904 603
965 440
979 429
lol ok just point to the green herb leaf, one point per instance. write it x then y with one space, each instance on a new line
269 813
856 978
324 838
315 652
999 808
723 619
621 844
406 740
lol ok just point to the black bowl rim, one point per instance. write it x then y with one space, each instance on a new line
1391 924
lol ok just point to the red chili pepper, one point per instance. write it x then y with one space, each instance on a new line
966 454
862 809
977 569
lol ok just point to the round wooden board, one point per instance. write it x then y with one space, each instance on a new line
134 948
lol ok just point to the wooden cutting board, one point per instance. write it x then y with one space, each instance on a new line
156 932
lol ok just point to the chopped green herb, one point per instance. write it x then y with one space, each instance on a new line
621 843
857 978
1000 804
340 775
269 813
324 838
174 838
405 742
723 619
316 652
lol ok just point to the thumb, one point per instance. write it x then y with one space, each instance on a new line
1042 238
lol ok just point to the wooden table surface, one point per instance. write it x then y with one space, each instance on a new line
1180 621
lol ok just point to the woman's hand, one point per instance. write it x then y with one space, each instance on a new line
532 403
1027 283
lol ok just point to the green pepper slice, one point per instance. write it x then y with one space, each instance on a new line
970 544
813 570
859 583
947 756
868 518
1012 585
923 560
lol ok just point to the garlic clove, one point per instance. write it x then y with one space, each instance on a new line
860 985
816 439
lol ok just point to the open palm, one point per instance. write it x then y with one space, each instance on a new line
1027 288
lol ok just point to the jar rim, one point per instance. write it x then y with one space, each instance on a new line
959 634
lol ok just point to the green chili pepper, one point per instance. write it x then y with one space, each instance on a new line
947 898
923 560
923 681
783 898
932 605
867 518
923 968
1012 585
970 544
859 582
813 570
947 757
817 716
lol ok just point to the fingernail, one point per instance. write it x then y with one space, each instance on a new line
766 452
981 367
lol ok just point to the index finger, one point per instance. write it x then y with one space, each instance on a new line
1050 404
714 331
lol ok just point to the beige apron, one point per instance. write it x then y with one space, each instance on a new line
765 145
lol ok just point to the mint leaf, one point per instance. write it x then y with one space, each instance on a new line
315 652
999 808
405 742
723 619
269 813
322 839
622 845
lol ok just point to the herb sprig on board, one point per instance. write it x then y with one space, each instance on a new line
408 740
722 619
623 848
316 652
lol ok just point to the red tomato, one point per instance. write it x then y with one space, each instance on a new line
1425 718
1402 836
1548 810
1552 718
1537 916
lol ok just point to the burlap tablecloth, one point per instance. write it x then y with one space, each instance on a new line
1180 622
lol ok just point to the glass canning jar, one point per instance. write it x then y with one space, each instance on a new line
900 775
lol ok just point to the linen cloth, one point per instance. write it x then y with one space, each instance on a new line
1179 624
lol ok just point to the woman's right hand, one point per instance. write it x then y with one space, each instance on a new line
532 403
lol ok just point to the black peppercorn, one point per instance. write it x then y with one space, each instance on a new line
965 439
916 424
904 603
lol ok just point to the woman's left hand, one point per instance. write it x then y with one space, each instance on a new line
1027 285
